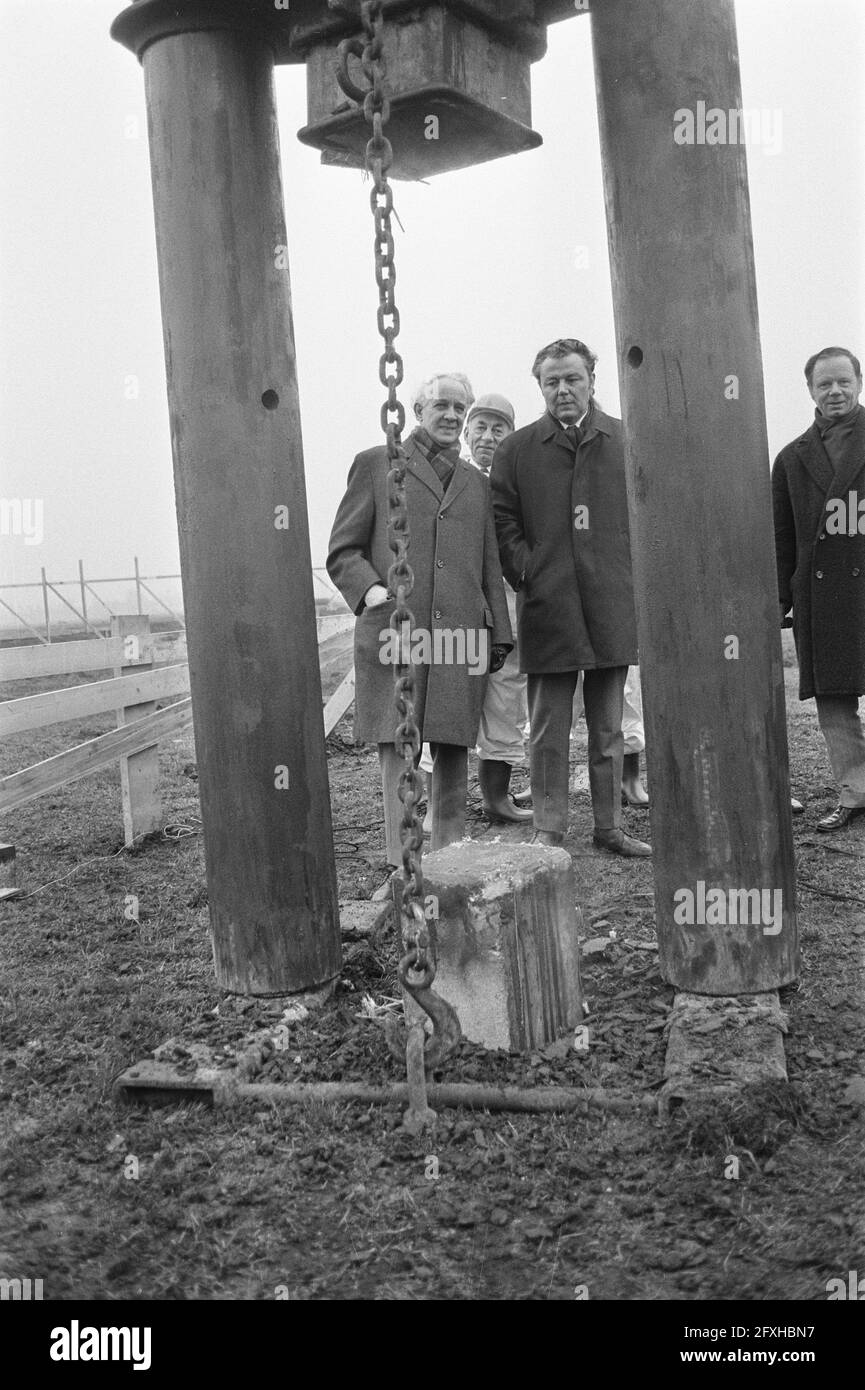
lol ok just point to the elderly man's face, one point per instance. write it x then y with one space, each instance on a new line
566 384
835 387
443 411
484 433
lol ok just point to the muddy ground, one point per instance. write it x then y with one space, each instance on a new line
106 1201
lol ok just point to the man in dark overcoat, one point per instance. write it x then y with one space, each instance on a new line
818 495
561 513
461 626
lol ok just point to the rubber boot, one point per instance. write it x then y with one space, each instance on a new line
494 779
633 791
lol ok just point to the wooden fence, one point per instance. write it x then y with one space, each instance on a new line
147 667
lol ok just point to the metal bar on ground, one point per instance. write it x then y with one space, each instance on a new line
154 1081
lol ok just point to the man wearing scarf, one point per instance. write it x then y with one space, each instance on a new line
818 494
458 594
561 510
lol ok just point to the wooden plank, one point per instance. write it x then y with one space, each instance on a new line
332 623
96 697
59 659
139 772
339 702
97 753
68 658
169 647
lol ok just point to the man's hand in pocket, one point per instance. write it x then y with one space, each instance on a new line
375 594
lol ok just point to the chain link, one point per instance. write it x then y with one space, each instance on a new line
379 157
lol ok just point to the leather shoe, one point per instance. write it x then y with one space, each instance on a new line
796 806
840 818
554 838
617 842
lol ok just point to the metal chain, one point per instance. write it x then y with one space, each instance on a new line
379 157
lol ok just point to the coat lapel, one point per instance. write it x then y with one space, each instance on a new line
809 448
458 483
855 459
423 470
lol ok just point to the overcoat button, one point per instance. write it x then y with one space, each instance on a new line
855 574
822 536
437 613
819 574
440 564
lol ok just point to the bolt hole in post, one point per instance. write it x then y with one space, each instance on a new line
634 357
270 400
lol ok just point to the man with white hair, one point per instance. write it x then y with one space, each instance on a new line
461 627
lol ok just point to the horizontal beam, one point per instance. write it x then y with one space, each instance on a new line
102 654
96 697
92 756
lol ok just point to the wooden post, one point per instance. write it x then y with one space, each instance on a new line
139 772
681 255
241 501
45 603
83 595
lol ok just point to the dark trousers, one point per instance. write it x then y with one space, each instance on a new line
551 699
845 742
447 796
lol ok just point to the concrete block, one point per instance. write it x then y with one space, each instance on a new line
505 935
718 1045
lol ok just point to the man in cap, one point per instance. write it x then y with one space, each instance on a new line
561 512
504 714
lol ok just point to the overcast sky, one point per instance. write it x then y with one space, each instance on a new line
487 265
